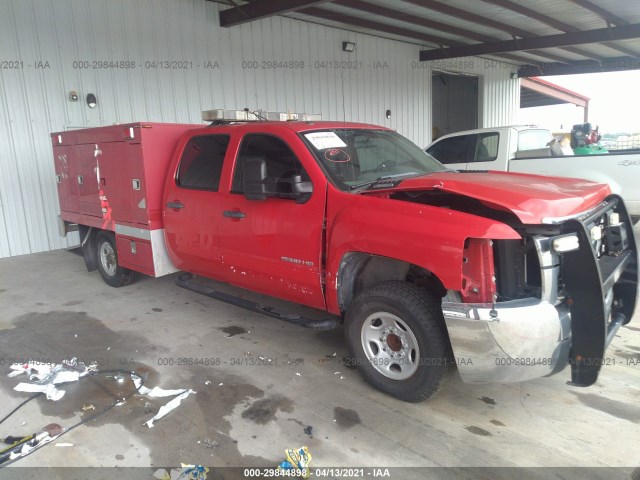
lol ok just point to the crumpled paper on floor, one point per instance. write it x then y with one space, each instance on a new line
44 377
180 394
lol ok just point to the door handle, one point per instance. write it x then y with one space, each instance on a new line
176 204
233 214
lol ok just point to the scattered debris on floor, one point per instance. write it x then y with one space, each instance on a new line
157 392
208 443
297 459
309 430
186 472
45 377
20 447
43 380
62 444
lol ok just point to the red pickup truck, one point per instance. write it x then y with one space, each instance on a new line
507 276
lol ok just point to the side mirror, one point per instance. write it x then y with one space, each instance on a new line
254 179
293 187
257 186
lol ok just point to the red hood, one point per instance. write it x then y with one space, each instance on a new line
530 197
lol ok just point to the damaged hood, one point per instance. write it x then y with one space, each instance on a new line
530 197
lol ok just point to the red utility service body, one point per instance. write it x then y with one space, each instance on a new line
111 178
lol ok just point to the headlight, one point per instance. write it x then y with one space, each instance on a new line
614 218
566 243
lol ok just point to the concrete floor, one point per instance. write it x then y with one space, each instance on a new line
247 414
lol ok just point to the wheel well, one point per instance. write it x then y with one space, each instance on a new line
88 244
361 271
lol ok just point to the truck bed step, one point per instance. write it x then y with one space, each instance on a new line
191 282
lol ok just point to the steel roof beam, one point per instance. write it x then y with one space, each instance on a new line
552 22
428 23
489 22
249 12
622 32
601 12
584 66
382 27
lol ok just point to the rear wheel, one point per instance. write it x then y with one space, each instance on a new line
107 258
396 334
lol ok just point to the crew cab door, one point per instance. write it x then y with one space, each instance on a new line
274 246
192 209
476 151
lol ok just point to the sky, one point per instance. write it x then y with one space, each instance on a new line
614 105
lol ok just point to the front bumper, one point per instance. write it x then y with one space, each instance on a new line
515 341
533 337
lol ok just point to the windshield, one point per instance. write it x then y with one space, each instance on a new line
352 157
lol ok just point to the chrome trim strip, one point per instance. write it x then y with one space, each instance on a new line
556 220
133 232
549 268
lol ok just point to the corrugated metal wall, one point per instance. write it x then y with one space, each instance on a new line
53 47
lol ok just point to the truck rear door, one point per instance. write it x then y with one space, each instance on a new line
192 210
274 246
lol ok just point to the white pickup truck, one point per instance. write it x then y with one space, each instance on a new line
531 149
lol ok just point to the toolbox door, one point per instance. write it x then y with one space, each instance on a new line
120 182
86 179
65 178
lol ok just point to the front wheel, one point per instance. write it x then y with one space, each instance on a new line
396 334
106 254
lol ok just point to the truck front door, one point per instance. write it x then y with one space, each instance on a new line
274 246
192 209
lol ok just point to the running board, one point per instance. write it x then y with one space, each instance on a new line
187 280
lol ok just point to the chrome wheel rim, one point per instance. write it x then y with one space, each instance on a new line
390 345
108 259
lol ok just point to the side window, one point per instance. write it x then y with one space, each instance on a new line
487 147
201 162
280 160
452 149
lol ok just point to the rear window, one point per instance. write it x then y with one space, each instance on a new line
533 139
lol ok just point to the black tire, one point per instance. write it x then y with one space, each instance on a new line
425 345
107 259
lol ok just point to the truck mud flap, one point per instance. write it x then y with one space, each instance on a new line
188 281
588 279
